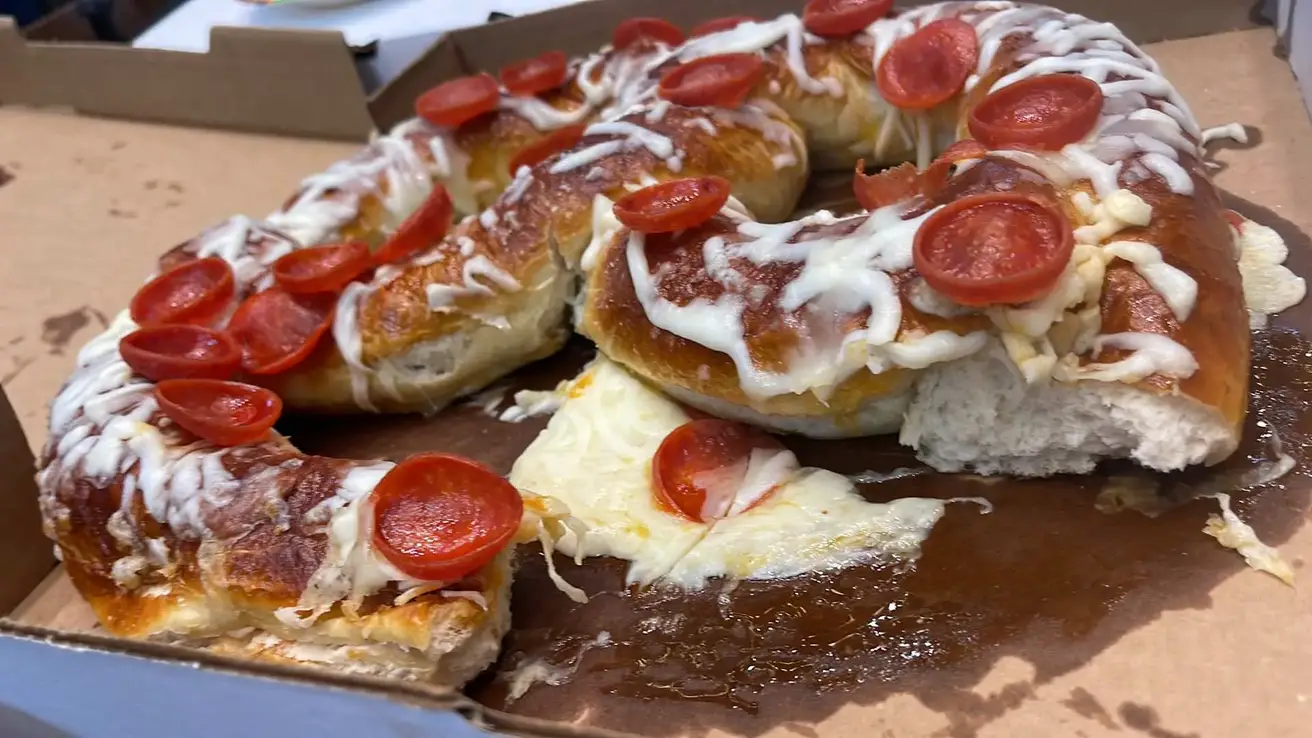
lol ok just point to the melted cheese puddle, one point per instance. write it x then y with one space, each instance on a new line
1269 286
595 457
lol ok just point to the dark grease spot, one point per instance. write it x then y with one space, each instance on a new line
1082 702
1143 718
58 330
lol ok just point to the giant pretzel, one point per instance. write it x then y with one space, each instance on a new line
1045 278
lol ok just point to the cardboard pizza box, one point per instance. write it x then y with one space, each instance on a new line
1093 625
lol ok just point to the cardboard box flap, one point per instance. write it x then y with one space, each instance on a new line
410 693
301 83
395 101
413 692
583 27
27 553
113 684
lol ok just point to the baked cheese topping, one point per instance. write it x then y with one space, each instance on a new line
398 168
1142 131
1269 286
595 456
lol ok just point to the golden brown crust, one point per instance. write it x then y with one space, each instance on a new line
261 550
1188 230
553 214
615 319
1192 236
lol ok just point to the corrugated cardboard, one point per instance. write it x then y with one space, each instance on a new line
300 83
1192 645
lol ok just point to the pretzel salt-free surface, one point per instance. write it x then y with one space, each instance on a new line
1047 280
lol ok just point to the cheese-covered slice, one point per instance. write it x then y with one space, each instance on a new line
595 457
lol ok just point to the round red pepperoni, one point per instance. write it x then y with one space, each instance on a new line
223 413
459 101
674 205
196 292
326 268
180 352
721 24
1045 112
723 80
893 185
537 75
992 249
966 148
440 518
277 330
705 460
561 139
839 18
634 30
425 227
936 176
929 66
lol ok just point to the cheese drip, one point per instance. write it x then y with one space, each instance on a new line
398 168
840 275
776 521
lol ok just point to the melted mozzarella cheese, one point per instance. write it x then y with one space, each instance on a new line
1178 289
815 522
392 169
1117 211
1151 353
595 457
751 37
604 227
843 274
352 568
1269 286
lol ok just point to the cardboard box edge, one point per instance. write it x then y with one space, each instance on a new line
315 91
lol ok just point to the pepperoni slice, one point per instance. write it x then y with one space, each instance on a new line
196 292
634 30
326 268
561 139
966 148
929 66
723 80
459 100
439 517
904 182
894 185
1045 112
674 205
721 24
995 248
701 465
223 413
936 176
425 227
180 352
839 18
277 330
537 75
